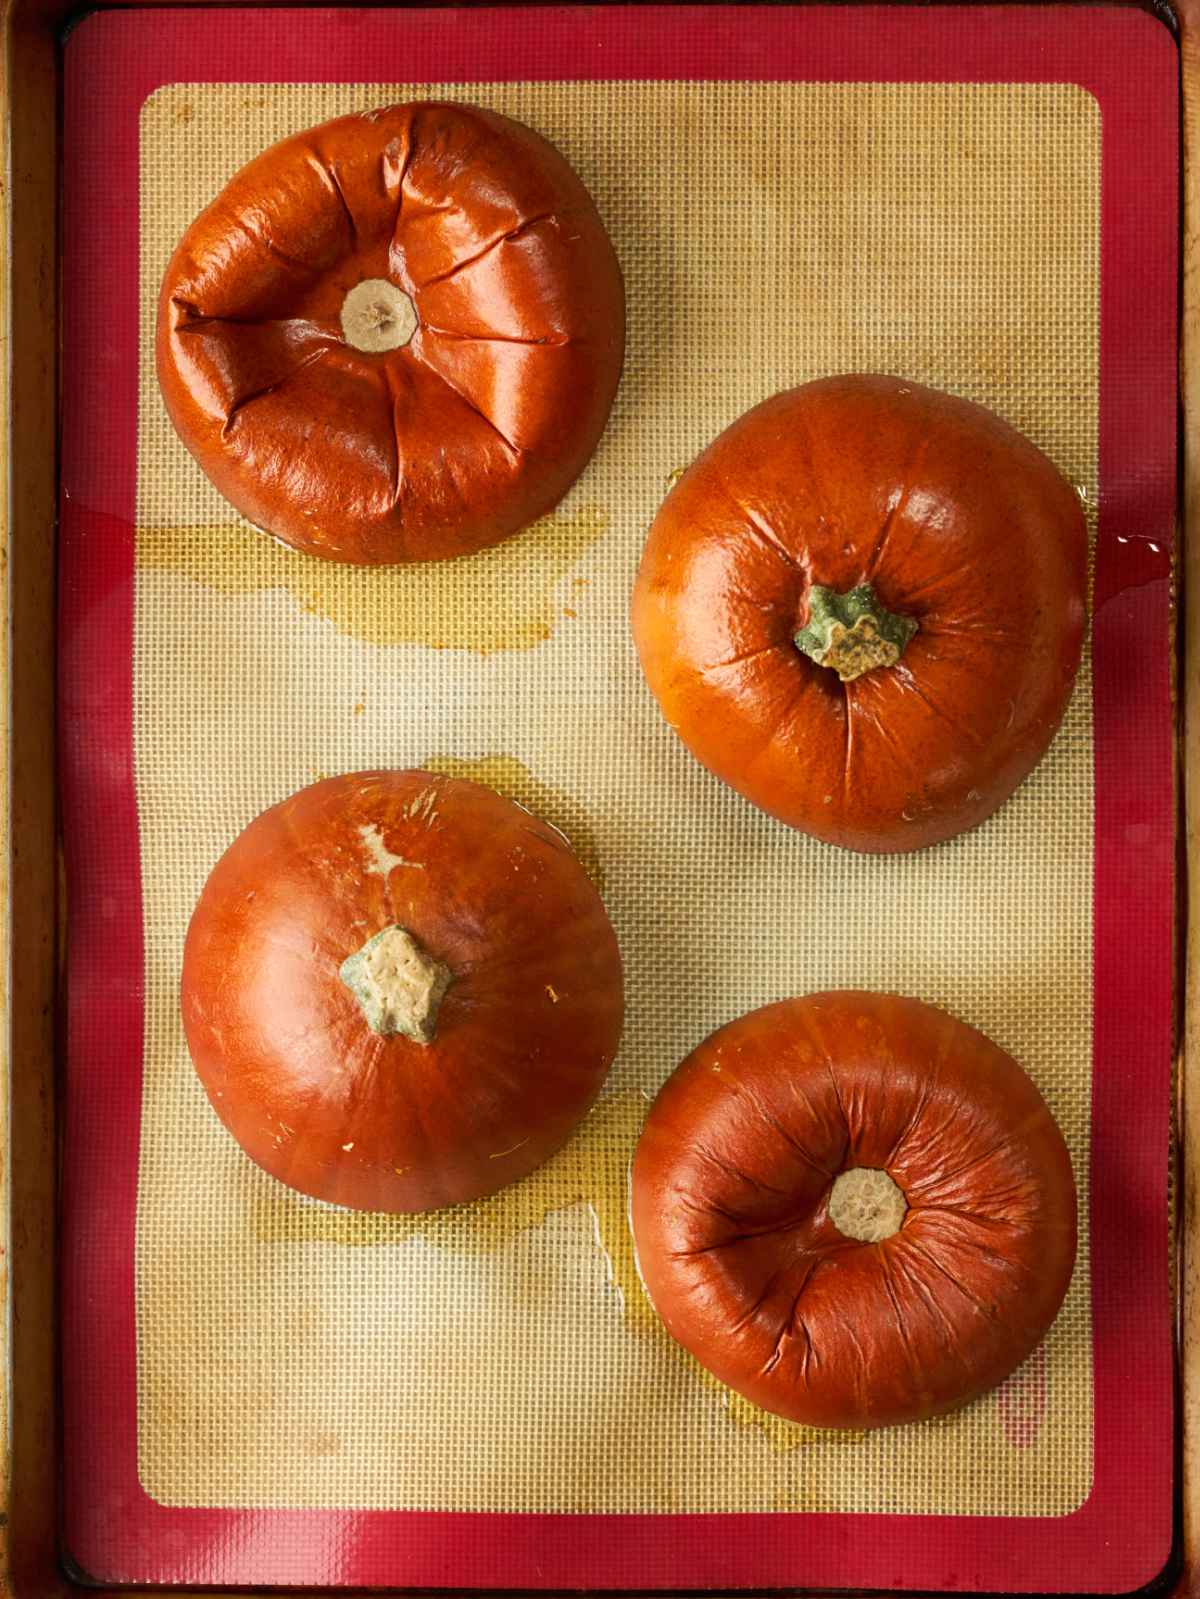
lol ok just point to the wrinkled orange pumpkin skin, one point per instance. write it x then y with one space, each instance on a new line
525 1034
731 1182
955 519
465 435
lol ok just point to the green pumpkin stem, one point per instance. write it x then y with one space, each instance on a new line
398 985
851 633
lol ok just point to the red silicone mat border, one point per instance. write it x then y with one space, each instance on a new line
1121 1536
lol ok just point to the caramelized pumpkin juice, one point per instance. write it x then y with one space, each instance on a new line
504 598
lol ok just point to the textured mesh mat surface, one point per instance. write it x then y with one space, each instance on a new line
502 1357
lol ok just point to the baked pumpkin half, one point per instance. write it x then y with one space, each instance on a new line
400 990
853 1209
863 607
395 337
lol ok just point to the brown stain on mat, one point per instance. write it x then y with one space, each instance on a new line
504 598
515 781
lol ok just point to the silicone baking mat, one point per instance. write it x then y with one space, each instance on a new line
259 1388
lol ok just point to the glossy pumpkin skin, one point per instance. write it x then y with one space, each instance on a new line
731 1184
955 519
524 1036
465 435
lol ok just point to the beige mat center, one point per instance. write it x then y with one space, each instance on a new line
501 1358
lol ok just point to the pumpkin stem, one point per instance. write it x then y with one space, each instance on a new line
398 985
377 316
864 1203
851 633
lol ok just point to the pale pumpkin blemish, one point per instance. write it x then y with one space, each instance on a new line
381 859
499 1154
423 807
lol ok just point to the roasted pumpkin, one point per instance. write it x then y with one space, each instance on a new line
400 991
394 337
854 1209
863 607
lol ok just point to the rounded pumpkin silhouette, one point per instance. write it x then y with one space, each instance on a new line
395 337
400 990
863 607
853 1209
